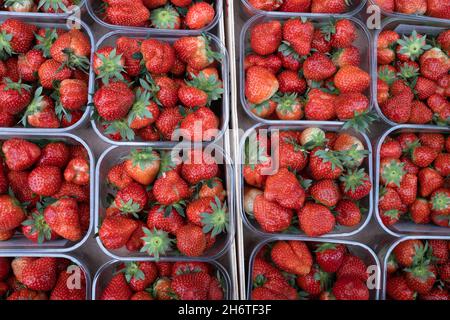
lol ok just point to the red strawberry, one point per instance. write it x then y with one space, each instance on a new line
351 79
117 289
348 288
52 71
129 47
421 278
161 219
296 6
191 286
408 189
423 156
77 172
320 106
73 94
329 256
341 33
199 166
326 192
299 34
409 251
36 229
328 6
131 199
292 257
391 149
191 240
159 57
166 17
353 266
270 216
284 188
168 121
73 48
316 220
265 38
436 295
348 213
290 82
439 250
29 63
54 154
15 96
429 181
140 275
132 14
40 274
318 67
200 125
420 113
195 52
115 231
170 188
142 165
113 101
347 56
62 291
324 164
265 5
260 85
199 15
315 282
17 36
63 218
45 180
11 213
320 43
271 62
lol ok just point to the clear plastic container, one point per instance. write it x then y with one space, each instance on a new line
12 14
106 272
19 243
112 156
408 16
366 203
387 250
360 250
363 43
403 228
49 21
93 6
402 26
75 260
355 7
220 107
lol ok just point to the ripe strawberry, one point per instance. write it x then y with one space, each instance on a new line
17 36
73 94
271 5
80 193
191 240
161 219
351 79
108 64
348 288
40 274
299 34
64 219
45 180
117 289
284 188
115 231
429 180
328 6
62 291
142 165
408 189
408 252
316 220
159 57
170 188
318 67
391 172
350 104
420 113
212 188
326 192
271 62
320 106
315 282
52 71
15 96
133 14
436 294
191 286
348 213
271 216
29 63
72 48
113 101
389 200
341 33
20 154
265 38
200 125
292 256
353 266
166 17
439 250
131 199
440 201
346 56
11 213
296 6
77 172
320 43
36 229
290 82
54 154
260 85
129 48
196 52
199 15
423 156
168 121
421 278
329 256
140 275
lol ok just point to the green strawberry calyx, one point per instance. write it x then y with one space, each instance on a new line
166 17
156 242
216 222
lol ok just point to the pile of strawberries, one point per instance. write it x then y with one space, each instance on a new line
414 185
164 281
433 8
298 70
419 269
159 14
318 178
45 278
44 190
160 206
413 84
43 75
158 91
313 6
293 270
45 6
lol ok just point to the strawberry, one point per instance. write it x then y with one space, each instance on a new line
316 220
11 213
73 94
290 82
72 48
265 38
271 216
36 229
159 57
129 48
15 96
200 125
199 166
325 164
389 200
27 294
326 192
196 52
4 183
166 17
341 33
348 213
408 189
292 256
434 69
348 288
117 289
108 64
440 201
420 113
140 275
315 282
170 188
328 6
79 193
199 15
168 121
320 106
40 274
191 286
439 250
391 149
115 231
20 154
421 278
299 34
18 181
352 266
17 37
284 188
62 291
351 79
211 189
29 63
296 6
131 199
40 113
63 218
208 213
113 101
191 241
291 154
425 88
436 295
346 56
429 180
408 252
45 180
266 276
54 154
77 172
260 85
318 67
391 172
271 62
330 256
350 104
5 268
161 219
52 71
142 165
133 14
189 267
